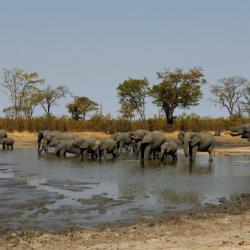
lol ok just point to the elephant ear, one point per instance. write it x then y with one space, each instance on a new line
147 139
195 140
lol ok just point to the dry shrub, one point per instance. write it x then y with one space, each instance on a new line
109 125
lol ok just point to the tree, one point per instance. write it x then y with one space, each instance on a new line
177 89
30 102
134 93
246 100
228 93
19 85
49 96
81 106
127 111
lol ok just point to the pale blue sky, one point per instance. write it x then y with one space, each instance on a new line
91 46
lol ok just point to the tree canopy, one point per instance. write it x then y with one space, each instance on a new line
21 86
81 106
177 89
229 93
134 93
49 96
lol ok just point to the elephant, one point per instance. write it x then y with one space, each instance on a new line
7 143
3 134
197 142
243 131
169 148
151 143
44 138
137 137
85 146
106 146
48 136
123 140
65 146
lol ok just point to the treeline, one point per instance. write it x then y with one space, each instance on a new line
110 125
175 90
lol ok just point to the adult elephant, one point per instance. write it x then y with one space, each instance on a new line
243 131
3 134
86 146
151 142
62 147
169 148
123 140
48 136
44 138
106 146
137 137
197 142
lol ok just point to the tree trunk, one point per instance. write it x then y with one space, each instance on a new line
169 117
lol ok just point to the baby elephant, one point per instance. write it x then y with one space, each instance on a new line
169 148
7 143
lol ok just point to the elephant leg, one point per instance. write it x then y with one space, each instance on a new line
105 154
114 155
174 156
121 147
147 152
154 155
163 157
138 150
142 148
210 151
193 154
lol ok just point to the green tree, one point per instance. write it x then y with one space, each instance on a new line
49 97
81 106
177 89
133 92
127 111
20 85
30 102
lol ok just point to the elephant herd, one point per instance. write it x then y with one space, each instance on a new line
7 142
142 143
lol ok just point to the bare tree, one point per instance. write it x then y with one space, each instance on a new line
18 85
246 101
49 96
228 93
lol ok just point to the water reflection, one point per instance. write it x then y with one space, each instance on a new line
90 193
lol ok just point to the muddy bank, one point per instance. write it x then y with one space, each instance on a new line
210 227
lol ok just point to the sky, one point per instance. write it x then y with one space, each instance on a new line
92 46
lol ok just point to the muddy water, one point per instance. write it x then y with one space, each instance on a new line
53 194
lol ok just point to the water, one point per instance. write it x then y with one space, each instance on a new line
53 194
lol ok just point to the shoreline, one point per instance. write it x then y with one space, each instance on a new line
210 227
225 144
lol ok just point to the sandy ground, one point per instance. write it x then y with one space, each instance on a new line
196 231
